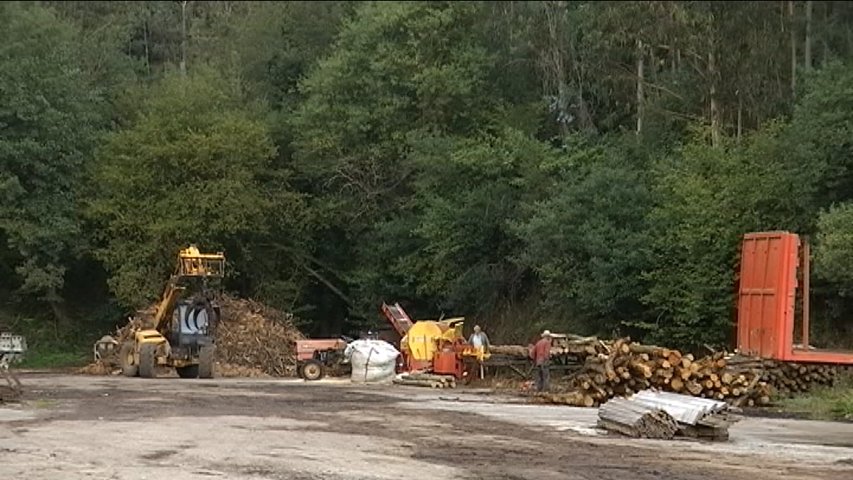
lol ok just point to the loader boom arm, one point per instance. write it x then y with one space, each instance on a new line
167 306
192 264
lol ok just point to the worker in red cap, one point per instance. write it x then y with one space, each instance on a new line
541 354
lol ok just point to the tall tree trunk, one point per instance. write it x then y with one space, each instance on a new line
715 109
739 116
822 33
145 32
640 80
61 320
793 48
807 53
555 63
184 38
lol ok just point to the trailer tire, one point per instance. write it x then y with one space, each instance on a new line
147 360
206 361
128 368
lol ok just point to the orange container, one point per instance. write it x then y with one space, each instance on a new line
767 298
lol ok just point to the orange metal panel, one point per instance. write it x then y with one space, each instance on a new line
305 348
766 293
820 356
448 363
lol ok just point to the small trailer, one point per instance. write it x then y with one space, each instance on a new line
12 349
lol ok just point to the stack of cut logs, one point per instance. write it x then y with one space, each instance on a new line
786 377
621 368
425 380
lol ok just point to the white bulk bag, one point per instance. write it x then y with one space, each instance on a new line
372 360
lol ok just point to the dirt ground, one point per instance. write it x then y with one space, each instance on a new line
78 427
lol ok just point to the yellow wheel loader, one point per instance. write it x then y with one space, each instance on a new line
182 334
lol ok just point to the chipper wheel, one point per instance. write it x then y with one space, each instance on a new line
147 360
313 370
128 367
205 361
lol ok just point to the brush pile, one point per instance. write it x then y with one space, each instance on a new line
253 335
252 340
608 369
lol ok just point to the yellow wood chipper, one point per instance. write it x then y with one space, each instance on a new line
181 334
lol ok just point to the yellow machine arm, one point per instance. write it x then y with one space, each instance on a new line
191 264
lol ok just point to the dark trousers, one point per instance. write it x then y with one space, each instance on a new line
543 376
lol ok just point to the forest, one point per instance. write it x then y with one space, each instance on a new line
587 167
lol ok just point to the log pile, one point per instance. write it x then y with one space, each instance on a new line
425 380
251 340
636 420
622 368
784 377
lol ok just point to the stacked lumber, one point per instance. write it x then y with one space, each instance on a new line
425 380
690 417
251 340
637 420
621 368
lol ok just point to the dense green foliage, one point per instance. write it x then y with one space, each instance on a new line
49 117
572 165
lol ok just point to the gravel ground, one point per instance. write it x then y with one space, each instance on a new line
79 427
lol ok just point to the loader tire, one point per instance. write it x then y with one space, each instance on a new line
128 368
147 360
205 361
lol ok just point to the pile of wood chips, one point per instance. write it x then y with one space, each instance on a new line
610 369
252 340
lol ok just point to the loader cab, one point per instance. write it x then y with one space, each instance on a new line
193 323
